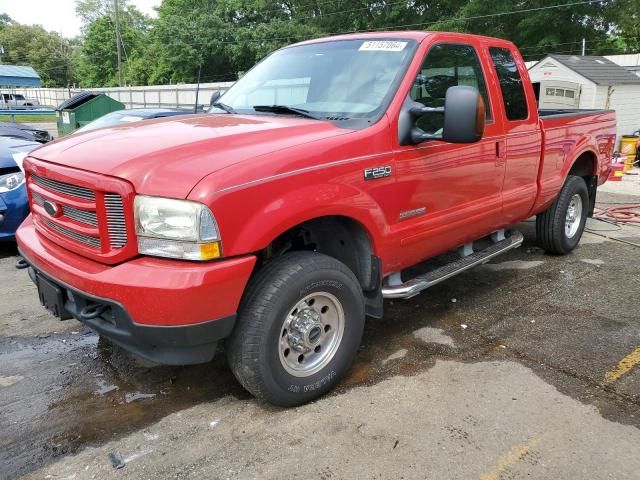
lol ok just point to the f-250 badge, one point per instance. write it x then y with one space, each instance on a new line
377 172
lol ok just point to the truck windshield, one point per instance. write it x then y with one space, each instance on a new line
337 80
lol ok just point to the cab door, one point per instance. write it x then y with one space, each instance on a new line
523 137
449 194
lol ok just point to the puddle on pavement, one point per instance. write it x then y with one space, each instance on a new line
130 394
83 391
396 332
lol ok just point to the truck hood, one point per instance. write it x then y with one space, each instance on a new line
169 157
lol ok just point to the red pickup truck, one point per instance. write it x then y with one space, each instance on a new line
285 215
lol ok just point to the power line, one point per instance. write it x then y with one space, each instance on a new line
498 14
301 7
320 15
597 40
391 27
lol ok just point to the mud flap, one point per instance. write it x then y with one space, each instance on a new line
592 187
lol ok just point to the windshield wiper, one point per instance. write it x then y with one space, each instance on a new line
285 109
223 106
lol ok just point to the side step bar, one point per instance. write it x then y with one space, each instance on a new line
416 285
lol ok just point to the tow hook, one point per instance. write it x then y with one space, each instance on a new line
93 310
21 264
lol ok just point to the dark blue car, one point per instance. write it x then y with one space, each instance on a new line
14 206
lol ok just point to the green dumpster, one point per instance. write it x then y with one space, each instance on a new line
82 109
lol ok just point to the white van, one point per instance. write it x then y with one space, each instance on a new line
16 100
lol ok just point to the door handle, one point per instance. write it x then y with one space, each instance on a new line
501 153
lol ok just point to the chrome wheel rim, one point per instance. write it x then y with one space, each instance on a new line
311 334
574 216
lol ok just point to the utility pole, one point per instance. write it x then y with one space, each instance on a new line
195 107
583 46
118 44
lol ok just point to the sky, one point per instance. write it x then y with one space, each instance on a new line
57 15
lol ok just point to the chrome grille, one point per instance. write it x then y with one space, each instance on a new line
37 199
64 188
99 230
116 224
83 216
79 237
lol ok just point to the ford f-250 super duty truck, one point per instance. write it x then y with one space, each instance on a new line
283 217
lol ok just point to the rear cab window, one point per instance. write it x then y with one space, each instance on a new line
447 65
513 94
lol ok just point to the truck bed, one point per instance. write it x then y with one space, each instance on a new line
568 112
566 132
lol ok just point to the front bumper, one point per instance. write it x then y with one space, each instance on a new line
169 311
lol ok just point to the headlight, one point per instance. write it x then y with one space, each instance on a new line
176 229
11 181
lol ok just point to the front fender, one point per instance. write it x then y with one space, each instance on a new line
251 219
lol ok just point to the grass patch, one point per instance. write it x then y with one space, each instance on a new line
29 118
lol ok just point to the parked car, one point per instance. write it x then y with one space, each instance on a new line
282 219
26 132
132 115
14 204
17 101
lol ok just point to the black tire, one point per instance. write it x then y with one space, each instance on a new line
550 224
254 351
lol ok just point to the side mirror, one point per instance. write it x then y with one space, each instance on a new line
214 97
464 117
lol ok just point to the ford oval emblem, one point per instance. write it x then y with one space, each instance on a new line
51 208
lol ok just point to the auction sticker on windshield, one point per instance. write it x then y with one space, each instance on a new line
383 46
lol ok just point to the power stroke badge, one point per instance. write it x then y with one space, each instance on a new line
377 172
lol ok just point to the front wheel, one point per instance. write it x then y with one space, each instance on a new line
560 227
299 328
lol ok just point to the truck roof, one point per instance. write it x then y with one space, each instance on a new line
417 35
410 35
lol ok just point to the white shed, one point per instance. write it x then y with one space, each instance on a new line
602 84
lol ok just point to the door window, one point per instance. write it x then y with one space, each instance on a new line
446 65
515 100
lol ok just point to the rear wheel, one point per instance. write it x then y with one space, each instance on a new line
560 227
298 330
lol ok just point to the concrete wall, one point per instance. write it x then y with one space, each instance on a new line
173 96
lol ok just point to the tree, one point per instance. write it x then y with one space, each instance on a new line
5 20
229 36
96 62
47 52
536 27
626 16
225 36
